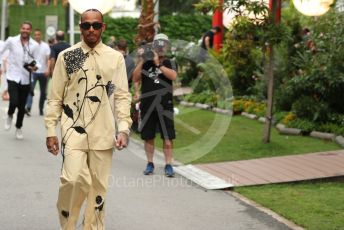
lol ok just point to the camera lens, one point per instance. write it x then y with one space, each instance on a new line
148 55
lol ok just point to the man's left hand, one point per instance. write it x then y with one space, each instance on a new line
122 141
156 58
47 73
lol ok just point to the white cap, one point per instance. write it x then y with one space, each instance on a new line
161 37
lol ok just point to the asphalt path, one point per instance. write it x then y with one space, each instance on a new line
30 179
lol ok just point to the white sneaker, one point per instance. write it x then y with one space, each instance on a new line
19 134
8 123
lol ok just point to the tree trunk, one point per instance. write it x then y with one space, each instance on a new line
275 7
270 73
146 30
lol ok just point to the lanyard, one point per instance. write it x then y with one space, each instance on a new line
26 50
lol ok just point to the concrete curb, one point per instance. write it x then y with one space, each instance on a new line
207 107
271 213
322 135
223 111
248 115
202 106
188 104
262 119
288 131
340 140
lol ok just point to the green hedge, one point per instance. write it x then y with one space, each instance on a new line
188 27
182 27
34 14
121 28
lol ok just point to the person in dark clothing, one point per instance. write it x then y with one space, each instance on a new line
156 73
56 48
122 47
208 38
208 42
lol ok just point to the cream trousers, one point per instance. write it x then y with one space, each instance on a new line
84 176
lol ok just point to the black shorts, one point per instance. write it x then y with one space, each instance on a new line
154 121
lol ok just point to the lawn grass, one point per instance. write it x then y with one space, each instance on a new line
242 140
313 205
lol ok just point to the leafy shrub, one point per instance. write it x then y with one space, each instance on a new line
238 106
288 118
249 106
253 107
187 72
315 83
305 125
190 97
283 99
260 109
279 116
307 107
242 54
337 119
206 97
203 98
331 128
224 104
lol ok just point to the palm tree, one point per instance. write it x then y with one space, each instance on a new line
146 27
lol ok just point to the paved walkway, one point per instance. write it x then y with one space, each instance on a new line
30 179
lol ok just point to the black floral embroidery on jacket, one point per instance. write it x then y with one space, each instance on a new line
110 87
74 60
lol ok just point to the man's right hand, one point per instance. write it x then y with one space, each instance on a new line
136 97
53 145
140 52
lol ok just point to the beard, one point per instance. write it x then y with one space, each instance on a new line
92 39
24 35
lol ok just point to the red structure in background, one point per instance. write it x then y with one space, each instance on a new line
278 10
218 21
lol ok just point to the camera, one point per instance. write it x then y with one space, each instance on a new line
30 66
147 54
159 46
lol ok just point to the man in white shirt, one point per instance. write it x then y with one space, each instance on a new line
41 75
23 51
3 81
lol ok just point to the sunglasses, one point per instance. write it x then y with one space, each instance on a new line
87 25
